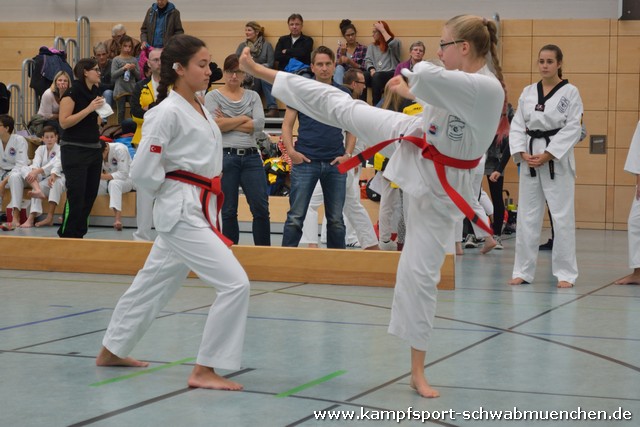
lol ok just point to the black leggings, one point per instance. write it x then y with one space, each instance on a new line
82 168
495 188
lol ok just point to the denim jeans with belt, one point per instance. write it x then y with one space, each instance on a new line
304 177
245 171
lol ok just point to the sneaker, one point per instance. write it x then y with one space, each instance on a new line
498 240
355 244
389 245
546 246
470 242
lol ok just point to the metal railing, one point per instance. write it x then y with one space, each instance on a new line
59 43
83 37
15 106
73 52
28 102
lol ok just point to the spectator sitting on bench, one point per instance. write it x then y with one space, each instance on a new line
14 155
45 177
115 179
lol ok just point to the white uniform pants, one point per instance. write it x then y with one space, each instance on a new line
172 256
634 234
559 194
144 216
115 188
389 210
53 193
414 299
16 184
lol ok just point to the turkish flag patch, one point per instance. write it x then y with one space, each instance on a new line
156 149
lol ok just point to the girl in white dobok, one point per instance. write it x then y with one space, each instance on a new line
179 162
632 165
464 104
544 130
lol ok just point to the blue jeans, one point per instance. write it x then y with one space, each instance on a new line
265 87
246 172
304 177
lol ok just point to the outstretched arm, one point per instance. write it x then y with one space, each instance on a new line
248 65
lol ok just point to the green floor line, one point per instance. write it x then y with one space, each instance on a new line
311 384
146 371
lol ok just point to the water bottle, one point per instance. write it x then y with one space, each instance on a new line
127 75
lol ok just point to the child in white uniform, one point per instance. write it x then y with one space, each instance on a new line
460 121
12 157
181 140
544 130
632 165
45 177
115 179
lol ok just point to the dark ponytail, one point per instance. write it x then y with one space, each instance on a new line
178 50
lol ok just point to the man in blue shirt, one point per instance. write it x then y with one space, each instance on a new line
317 153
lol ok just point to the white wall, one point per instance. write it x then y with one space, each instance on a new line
241 10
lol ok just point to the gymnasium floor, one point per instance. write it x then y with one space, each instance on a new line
318 347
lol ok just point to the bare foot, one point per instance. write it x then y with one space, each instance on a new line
15 223
205 377
36 194
117 225
632 279
106 358
459 250
517 281
28 223
45 222
489 243
564 284
423 388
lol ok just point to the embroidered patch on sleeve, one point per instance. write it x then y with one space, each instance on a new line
156 149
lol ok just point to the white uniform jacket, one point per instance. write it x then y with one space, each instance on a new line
460 119
562 110
177 137
14 154
632 165
118 161
46 161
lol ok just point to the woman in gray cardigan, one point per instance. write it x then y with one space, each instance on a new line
262 53
383 56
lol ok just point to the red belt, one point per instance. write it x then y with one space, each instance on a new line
208 187
439 161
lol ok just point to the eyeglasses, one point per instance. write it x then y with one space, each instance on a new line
362 83
443 45
97 70
236 72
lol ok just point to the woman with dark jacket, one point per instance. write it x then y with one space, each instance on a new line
80 150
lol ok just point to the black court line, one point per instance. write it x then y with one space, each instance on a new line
105 329
143 403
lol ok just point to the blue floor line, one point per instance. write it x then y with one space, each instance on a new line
51 319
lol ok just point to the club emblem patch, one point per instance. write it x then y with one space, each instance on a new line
455 130
563 105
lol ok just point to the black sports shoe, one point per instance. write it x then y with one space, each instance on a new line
546 246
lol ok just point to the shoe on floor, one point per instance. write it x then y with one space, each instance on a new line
389 245
546 246
470 242
498 240
353 245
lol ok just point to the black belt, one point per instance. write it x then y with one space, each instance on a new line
240 151
546 135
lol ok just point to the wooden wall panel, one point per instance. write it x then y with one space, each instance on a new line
516 55
517 27
590 203
623 196
590 168
581 54
628 59
626 122
572 27
621 176
627 89
594 89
